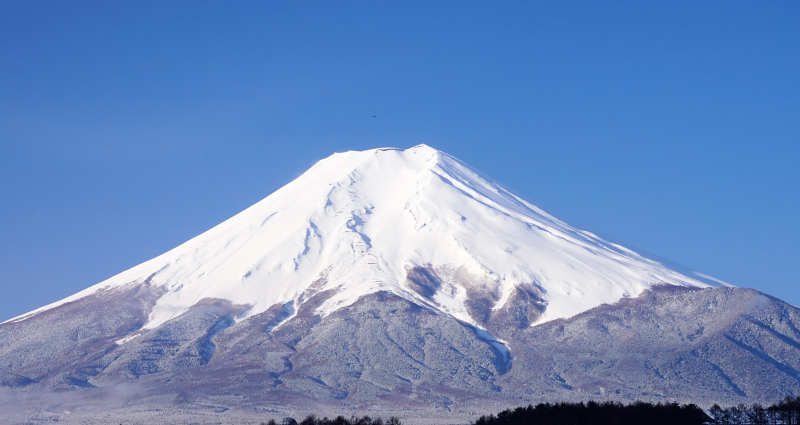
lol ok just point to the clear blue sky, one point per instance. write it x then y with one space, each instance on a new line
128 127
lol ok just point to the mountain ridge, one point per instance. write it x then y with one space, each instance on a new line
393 282
338 182
411 189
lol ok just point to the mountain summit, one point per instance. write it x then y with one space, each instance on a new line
391 282
418 223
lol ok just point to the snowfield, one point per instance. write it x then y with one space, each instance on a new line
357 222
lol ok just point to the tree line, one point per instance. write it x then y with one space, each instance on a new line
593 413
339 420
786 412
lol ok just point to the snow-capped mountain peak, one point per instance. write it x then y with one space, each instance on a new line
360 222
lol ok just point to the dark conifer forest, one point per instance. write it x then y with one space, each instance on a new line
339 420
786 412
593 413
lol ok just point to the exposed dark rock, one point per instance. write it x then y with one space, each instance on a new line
423 280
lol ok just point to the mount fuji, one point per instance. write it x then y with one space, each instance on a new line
394 281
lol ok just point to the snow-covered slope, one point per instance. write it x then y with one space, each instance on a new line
357 222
